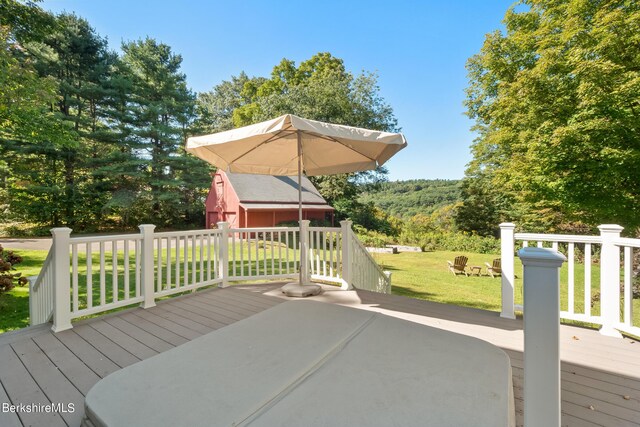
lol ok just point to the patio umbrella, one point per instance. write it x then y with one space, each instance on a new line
290 145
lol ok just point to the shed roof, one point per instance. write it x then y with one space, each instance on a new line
274 189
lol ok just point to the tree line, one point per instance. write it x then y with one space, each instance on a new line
404 199
94 139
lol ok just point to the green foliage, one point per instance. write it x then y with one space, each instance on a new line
439 231
371 238
555 99
169 185
405 199
8 279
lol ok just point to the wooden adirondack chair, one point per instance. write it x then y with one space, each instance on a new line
459 265
495 269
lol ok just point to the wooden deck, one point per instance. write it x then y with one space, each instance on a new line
600 375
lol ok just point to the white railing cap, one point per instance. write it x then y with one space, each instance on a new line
58 230
507 225
541 257
610 228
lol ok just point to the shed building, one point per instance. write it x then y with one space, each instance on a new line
248 200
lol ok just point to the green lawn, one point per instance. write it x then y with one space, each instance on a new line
426 276
14 305
416 275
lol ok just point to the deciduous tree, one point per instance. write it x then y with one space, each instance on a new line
557 110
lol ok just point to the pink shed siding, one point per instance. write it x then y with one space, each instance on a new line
222 203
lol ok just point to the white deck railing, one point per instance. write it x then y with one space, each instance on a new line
41 293
596 291
366 273
92 274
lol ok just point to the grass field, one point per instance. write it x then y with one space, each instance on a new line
416 275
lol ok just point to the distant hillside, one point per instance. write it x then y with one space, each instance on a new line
407 198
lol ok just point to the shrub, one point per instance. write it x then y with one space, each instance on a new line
371 238
8 279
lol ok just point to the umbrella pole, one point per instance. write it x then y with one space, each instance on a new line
301 289
303 239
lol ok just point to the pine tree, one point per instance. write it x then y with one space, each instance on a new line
160 109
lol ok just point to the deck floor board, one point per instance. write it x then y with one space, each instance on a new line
600 375
57 387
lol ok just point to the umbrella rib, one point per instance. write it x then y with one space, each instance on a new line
274 136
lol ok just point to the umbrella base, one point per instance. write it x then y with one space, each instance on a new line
295 289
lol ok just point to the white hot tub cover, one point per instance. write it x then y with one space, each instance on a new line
306 363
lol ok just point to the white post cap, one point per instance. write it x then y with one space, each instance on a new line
541 257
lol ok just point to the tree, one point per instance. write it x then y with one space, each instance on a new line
76 63
159 111
319 89
556 105
27 124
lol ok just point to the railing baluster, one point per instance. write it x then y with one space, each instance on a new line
318 248
248 236
257 254
296 255
264 253
177 284
242 238
286 238
103 295
168 285
201 258
138 266
540 245
127 270
571 284
74 277
272 257
159 250
209 256
234 263
114 270
185 256
324 253
89 257
587 279
339 239
628 295
279 252
193 259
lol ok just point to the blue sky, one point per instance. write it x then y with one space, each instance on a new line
418 48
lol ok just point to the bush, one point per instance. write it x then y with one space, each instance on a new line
8 280
371 238
451 241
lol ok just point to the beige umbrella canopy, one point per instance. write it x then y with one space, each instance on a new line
290 145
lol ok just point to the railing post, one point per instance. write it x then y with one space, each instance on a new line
541 336
508 274
61 279
223 256
346 254
387 289
146 261
610 280
304 249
